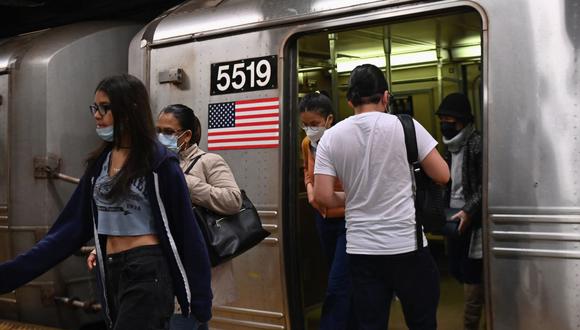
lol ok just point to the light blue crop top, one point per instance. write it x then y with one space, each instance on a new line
129 215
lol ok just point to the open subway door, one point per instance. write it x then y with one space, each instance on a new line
425 58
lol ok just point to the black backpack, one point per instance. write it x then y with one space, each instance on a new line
429 196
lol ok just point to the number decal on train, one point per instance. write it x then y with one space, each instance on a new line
245 75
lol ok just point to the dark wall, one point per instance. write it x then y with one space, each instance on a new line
21 16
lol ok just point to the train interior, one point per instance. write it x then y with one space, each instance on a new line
425 59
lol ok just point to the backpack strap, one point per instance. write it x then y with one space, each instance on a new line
195 159
410 138
413 159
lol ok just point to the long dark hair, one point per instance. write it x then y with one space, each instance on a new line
186 119
132 117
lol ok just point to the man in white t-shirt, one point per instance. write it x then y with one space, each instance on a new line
366 152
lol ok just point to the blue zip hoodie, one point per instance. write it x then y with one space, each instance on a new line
177 230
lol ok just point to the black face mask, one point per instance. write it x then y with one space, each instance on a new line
448 130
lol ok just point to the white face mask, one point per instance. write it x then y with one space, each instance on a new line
314 133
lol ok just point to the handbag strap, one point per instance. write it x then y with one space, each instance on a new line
413 159
195 159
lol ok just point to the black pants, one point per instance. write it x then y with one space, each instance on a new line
139 289
461 267
412 276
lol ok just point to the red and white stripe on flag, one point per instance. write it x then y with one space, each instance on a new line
245 124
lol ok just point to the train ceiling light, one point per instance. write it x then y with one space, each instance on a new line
422 57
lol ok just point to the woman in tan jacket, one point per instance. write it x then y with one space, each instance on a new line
211 185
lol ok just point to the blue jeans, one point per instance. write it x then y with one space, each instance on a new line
412 276
337 311
178 322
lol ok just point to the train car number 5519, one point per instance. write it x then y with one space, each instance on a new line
245 75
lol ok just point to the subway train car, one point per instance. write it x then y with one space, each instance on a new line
47 80
518 61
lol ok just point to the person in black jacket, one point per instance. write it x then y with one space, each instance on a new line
464 156
134 202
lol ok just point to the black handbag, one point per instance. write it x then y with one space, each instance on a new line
228 236
429 201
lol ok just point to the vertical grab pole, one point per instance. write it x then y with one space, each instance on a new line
387 47
439 65
332 40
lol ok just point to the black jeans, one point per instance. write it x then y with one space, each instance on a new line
139 289
461 267
412 276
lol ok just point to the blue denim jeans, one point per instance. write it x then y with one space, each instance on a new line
412 276
337 310
178 322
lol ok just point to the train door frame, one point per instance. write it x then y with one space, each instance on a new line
4 158
289 94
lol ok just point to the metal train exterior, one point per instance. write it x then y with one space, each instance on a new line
47 79
527 98
530 118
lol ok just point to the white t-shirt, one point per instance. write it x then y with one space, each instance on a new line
367 153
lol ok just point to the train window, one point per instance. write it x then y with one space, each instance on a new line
425 59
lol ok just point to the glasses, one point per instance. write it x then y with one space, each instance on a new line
101 108
167 131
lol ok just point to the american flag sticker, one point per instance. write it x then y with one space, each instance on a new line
246 124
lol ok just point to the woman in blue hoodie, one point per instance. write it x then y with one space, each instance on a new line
134 202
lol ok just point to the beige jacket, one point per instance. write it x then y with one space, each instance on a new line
211 182
212 185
